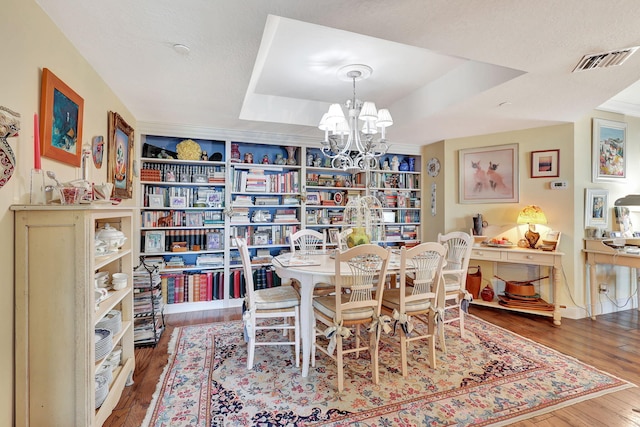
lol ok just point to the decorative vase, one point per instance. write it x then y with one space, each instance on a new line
412 164
404 166
487 293
235 153
291 156
358 237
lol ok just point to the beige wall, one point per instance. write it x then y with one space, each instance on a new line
564 208
34 43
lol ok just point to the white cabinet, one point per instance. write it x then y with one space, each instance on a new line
56 313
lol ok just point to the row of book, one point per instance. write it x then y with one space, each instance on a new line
395 180
156 241
187 173
182 287
259 182
263 277
180 218
264 234
209 286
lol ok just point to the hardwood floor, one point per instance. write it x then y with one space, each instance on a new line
611 343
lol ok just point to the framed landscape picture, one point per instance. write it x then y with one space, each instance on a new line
609 158
545 164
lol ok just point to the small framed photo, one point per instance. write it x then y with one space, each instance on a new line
213 241
260 239
596 208
313 198
214 199
545 164
178 202
156 201
153 242
401 200
334 236
200 178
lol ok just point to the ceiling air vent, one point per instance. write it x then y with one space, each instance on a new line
605 59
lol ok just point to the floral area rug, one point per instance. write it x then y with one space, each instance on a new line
491 377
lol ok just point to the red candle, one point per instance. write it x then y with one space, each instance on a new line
36 143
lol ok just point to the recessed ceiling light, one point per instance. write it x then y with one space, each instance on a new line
181 48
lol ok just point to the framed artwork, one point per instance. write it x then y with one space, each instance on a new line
120 156
156 200
596 208
545 164
214 199
97 150
61 114
609 158
177 202
488 174
313 198
334 236
213 241
153 242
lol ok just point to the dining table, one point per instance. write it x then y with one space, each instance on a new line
309 269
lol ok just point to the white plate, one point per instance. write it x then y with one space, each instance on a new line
500 245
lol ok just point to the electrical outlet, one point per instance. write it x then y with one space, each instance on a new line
603 288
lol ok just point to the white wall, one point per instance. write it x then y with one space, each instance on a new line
32 43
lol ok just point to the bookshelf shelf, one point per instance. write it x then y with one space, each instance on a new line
279 193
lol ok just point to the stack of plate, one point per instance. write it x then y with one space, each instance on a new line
111 321
104 342
102 389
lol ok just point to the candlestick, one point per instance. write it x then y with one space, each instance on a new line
38 196
36 143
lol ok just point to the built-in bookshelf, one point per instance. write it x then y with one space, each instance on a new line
192 210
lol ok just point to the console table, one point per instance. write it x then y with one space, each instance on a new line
550 259
606 252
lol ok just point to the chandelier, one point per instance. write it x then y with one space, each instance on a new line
352 146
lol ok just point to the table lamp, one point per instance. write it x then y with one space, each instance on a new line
532 215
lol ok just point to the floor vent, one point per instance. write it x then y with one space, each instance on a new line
605 59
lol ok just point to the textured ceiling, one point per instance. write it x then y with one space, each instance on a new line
443 68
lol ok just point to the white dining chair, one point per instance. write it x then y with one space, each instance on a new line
277 302
459 246
305 242
418 302
342 318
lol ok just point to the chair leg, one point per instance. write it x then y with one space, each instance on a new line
297 335
358 340
373 350
461 321
431 342
340 363
403 352
251 347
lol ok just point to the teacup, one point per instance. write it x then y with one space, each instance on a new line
100 294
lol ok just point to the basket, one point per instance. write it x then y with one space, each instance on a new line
474 280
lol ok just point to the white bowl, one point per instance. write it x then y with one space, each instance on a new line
119 285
